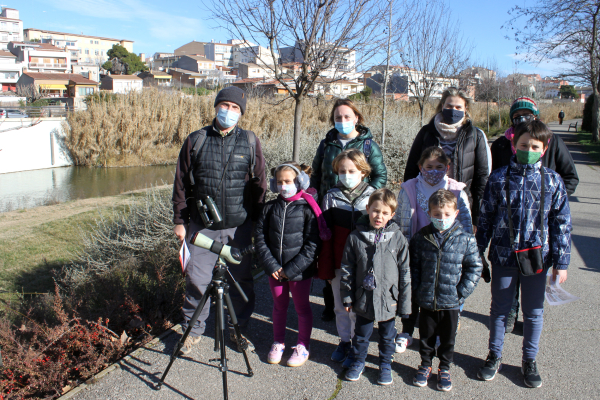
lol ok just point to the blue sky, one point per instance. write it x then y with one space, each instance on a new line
163 26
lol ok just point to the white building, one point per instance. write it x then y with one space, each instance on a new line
338 88
251 70
10 71
11 27
344 65
41 57
220 53
247 53
122 83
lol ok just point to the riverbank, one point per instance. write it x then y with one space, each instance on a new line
36 241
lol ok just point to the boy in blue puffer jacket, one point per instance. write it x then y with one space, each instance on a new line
445 267
526 235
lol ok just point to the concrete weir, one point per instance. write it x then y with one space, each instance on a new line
32 143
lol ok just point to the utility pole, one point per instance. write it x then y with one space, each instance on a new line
386 76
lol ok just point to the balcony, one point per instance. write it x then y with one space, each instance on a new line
47 65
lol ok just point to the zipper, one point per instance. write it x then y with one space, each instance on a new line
285 206
437 268
523 197
222 188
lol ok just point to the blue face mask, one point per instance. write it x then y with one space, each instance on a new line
441 224
227 118
344 128
452 116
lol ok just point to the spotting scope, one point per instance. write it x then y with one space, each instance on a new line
227 253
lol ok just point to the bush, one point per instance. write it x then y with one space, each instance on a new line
124 287
588 109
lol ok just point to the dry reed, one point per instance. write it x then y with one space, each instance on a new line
149 127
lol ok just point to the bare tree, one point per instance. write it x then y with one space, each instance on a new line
32 92
319 34
486 87
564 30
432 50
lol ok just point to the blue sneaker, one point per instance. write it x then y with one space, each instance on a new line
355 371
385 374
443 380
341 353
423 373
349 359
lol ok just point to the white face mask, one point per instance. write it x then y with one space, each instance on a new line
350 180
287 191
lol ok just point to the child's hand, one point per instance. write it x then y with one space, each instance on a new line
282 274
348 309
277 274
561 273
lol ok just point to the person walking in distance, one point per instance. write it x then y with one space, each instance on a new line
224 164
561 116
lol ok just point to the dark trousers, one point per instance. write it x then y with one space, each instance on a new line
432 324
515 305
408 324
362 333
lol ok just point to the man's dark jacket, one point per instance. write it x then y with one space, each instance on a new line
236 196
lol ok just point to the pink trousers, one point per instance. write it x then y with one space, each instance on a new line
281 300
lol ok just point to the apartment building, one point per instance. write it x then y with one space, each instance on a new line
11 27
344 65
41 57
122 83
251 70
220 53
82 48
247 53
10 71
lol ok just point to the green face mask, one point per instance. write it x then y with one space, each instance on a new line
528 157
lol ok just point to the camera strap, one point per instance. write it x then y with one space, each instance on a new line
510 222
237 135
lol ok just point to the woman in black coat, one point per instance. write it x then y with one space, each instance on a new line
452 129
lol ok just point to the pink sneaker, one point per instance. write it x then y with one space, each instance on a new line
276 352
299 356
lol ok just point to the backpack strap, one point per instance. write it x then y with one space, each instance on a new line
197 139
252 143
367 148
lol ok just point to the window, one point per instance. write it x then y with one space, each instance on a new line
3 24
15 26
96 42
91 42
5 38
87 51
97 52
11 75
84 91
85 74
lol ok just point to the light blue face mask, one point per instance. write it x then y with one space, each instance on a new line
227 118
344 128
441 224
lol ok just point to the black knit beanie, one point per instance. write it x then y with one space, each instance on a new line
233 94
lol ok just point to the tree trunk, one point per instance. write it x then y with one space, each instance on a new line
385 78
297 128
595 114
487 103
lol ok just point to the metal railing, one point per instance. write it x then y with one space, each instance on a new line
46 111
47 65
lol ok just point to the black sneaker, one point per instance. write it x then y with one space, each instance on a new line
491 366
531 375
511 319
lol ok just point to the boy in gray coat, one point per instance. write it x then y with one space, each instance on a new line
375 282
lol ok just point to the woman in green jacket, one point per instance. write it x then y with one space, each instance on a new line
348 133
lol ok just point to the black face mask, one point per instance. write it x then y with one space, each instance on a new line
452 116
523 118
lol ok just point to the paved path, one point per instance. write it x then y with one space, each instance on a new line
569 358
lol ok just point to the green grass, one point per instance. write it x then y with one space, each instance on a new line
593 149
29 258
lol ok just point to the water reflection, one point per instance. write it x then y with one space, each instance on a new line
50 186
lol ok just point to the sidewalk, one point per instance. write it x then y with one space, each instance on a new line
568 360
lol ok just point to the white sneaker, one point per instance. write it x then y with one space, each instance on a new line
403 340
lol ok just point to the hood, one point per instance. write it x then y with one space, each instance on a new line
364 133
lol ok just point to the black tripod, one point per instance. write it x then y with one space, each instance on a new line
218 289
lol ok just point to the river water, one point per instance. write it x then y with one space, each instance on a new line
28 189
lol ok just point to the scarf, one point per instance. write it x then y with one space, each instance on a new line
324 232
352 194
446 131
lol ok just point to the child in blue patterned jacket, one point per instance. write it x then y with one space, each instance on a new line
525 242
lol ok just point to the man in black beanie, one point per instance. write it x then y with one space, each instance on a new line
223 162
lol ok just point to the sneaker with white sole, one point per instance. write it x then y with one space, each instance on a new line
492 365
403 340
531 374
244 343
276 352
299 356
189 344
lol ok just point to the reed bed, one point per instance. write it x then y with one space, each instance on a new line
148 128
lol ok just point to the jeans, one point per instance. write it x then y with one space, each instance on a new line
503 285
281 300
199 274
344 320
442 323
362 334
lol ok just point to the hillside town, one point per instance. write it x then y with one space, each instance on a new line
67 67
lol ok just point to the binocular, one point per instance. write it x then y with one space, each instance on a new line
209 213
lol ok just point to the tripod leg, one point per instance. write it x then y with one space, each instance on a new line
241 346
221 327
182 339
